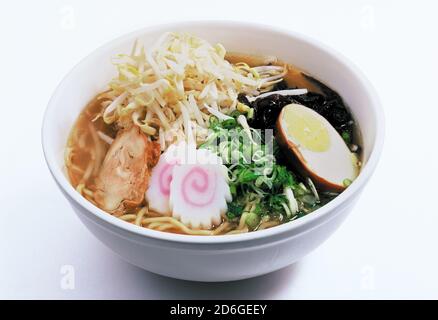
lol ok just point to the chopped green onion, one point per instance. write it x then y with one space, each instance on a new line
346 136
252 220
256 179
347 182
235 114
229 124
234 210
250 113
214 121
233 189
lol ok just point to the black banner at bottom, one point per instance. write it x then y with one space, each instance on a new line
231 309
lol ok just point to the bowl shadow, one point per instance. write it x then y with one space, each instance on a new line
153 286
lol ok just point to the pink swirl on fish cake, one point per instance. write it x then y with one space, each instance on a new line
199 187
165 177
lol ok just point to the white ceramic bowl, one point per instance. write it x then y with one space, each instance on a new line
229 257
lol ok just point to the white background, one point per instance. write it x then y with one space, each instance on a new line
387 248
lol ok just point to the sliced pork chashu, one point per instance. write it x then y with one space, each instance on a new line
124 175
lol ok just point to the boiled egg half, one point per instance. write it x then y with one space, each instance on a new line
315 148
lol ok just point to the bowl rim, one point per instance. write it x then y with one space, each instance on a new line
289 227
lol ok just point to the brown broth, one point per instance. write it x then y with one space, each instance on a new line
84 146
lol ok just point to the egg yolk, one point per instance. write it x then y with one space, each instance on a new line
306 129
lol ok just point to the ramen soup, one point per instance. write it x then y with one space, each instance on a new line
193 140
